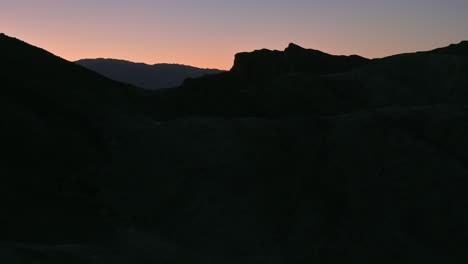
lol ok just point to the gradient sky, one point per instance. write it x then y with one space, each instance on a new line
207 33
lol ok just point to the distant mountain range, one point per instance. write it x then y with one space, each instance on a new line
293 156
151 77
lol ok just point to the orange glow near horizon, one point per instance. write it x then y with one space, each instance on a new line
209 33
72 48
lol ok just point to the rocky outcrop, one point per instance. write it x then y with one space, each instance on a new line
294 59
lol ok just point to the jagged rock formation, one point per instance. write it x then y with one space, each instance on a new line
267 63
360 166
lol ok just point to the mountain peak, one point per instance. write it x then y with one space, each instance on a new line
297 50
294 46
5 37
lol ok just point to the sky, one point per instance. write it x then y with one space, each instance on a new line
208 33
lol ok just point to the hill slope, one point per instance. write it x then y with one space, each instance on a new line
151 77
51 113
361 165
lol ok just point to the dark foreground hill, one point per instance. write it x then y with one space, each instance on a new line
151 77
361 162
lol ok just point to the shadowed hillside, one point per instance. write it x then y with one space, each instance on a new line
275 83
52 114
359 161
151 77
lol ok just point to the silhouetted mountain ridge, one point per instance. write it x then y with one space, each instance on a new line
151 77
294 58
300 81
454 49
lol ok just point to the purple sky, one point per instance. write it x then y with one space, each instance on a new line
207 33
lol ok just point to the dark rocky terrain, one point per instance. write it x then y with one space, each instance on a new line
313 159
150 77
